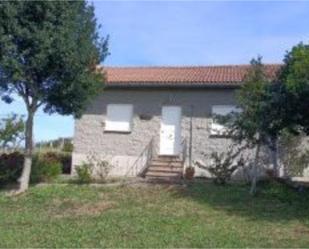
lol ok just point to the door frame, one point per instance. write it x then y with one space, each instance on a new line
177 136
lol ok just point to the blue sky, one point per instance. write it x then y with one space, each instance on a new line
187 33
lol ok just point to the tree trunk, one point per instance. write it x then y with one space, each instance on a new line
25 176
274 155
255 171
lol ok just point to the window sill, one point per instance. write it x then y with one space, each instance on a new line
117 132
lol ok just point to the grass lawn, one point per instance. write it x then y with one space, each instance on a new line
200 215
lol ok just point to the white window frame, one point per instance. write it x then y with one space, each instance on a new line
217 129
114 122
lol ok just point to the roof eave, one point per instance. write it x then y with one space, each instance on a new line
147 85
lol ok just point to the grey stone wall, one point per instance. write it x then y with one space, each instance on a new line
125 148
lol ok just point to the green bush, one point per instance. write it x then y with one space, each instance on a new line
66 161
100 167
63 158
45 167
223 165
84 173
10 167
44 170
67 147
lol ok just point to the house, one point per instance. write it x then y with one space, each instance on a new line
152 121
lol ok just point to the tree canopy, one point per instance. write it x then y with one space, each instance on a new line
263 117
49 52
11 131
295 76
262 100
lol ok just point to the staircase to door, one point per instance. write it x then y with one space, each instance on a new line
152 166
167 161
168 165
169 168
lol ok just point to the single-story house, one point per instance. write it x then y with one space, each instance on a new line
153 121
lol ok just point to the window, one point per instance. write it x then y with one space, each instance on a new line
119 118
216 128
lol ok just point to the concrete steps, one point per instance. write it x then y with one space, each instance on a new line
165 168
154 168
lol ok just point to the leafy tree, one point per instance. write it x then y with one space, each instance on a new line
11 131
263 116
295 76
248 124
49 51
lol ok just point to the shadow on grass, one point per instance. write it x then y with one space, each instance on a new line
274 201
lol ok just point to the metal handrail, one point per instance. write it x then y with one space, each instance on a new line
141 164
184 151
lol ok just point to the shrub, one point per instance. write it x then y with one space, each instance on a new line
94 169
64 159
84 173
67 147
10 167
100 167
222 165
50 156
44 170
45 167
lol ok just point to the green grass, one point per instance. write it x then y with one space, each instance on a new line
201 215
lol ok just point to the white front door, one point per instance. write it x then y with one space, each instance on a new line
170 133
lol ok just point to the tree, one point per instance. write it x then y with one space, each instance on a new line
49 51
11 131
248 124
263 116
295 76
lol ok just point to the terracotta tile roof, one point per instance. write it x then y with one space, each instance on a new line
231 75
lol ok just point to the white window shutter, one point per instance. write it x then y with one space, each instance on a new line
119 117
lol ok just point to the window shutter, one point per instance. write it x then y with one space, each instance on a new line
119 117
